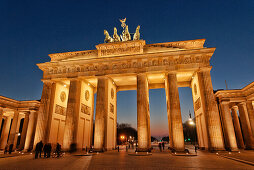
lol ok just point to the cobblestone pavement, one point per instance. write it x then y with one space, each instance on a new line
122 160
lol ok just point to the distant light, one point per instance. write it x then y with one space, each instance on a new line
88 84
64 85
239 152
19 134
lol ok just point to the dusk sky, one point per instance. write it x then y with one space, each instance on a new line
30 30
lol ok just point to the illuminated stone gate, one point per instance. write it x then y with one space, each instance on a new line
71 79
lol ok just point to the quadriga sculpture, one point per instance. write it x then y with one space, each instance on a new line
116 36
107 39
137 34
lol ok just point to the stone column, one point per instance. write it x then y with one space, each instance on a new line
17 132
237 127
211 112
101 114
13 131
24 131
5 132
246 128
250 114
1 116
143 113
72 114
174 112
31 130
43 114
228 126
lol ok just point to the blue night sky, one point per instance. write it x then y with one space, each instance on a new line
30 30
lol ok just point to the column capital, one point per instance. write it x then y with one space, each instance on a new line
48 81
204 69
242 103
141 74
224 102
248 101
234 107
170 73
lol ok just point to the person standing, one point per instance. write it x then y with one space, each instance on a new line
58 149
6 149
37 150
45 150
163 145
40 147
160 147
49 150
10 148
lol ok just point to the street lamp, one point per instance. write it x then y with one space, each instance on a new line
191 122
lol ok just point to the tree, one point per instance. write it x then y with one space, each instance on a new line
126 130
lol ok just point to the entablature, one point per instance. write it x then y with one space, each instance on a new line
164 61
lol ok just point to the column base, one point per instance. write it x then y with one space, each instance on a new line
99 150
216 149
143 150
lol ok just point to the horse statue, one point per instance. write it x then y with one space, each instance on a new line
107 39
137 34
116 37
126 36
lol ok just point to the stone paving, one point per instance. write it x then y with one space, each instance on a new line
122 160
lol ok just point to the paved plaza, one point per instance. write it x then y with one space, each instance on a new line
123 160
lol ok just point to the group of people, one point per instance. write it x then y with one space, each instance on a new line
46 149
8 149
161 146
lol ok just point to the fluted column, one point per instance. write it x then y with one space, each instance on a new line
215 136
24 131
72 114
31 131
237 127
174 112
43 114
13 128
250 114
101 114
143 113
228 126
1 116
5 132
245 122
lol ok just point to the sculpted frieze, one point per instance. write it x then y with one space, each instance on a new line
144 63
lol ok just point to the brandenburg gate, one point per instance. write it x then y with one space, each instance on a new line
71 79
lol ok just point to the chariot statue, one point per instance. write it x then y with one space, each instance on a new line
107 39
126 35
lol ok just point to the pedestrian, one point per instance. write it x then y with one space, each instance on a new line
163 145
196 149
58 149
6 149
10 148
40 147
45 150
37 150
160 147
49 150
